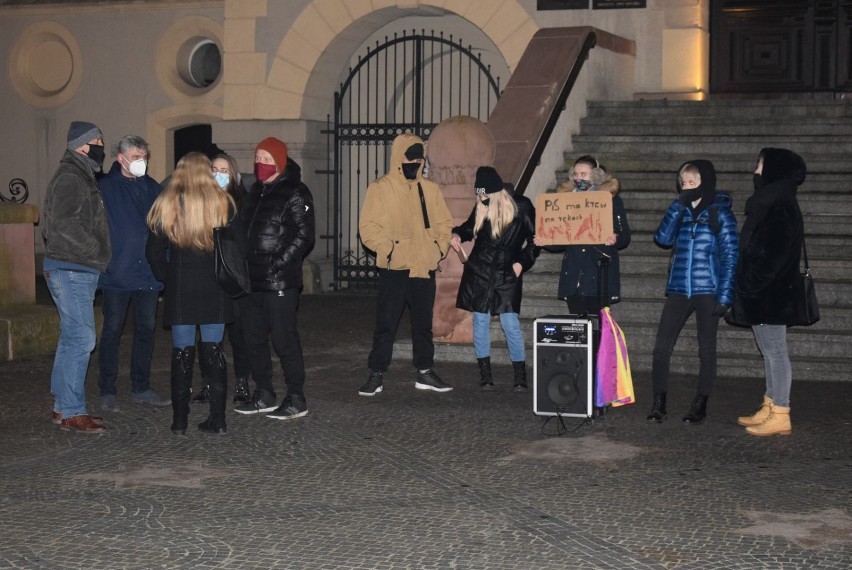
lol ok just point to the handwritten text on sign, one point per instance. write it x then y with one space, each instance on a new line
573 218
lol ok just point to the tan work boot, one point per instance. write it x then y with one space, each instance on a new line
759 416
778 423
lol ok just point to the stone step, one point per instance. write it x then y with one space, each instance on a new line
805 368
815 224
830 292
623 163
636 200
639 146
713 126
721 109
647 310
802 341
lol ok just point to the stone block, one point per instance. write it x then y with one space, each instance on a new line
239 102
245 9
245 68
240 36
27 330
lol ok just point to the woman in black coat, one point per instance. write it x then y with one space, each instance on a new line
492 281
180 251
770 249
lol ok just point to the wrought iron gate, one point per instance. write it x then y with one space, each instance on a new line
408 84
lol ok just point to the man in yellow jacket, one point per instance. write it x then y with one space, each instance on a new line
405 221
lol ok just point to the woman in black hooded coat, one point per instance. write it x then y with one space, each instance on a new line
770 250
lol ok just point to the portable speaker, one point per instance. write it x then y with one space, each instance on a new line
563 362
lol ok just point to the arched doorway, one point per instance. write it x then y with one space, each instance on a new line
408 83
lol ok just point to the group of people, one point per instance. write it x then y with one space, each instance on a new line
124 233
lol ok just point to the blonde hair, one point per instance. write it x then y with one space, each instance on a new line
191 205
500 212
689 168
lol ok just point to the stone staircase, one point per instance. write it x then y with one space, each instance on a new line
642 143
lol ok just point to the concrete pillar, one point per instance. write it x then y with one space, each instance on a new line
26 329
457 147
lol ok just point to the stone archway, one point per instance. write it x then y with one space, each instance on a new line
302 78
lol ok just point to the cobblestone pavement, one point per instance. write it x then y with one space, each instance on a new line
412 479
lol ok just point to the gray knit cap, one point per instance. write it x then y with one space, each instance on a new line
81 132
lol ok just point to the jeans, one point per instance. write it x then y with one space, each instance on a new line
511 329
184 335
273 313
115 313
772 342
396 290
73 293
675 312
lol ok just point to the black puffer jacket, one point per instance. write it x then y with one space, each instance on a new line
279 221
770 244
488 284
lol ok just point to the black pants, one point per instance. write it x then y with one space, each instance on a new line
675 312
273 311
396 290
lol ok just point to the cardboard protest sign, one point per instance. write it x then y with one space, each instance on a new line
573 218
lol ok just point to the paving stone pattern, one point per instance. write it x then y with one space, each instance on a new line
413 479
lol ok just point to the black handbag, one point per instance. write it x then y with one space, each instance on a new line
232 271
806 308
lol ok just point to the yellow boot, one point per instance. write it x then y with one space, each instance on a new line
778 423
759 416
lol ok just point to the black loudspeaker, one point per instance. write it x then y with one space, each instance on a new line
563 362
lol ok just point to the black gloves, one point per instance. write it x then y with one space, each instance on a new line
719 310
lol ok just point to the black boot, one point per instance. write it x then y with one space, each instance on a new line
241 391
204 394
181 386
520 376
658 408
485 380
215 369
698 412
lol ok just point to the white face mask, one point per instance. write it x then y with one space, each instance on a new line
138 167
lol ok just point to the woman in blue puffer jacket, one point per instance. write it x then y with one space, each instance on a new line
702 229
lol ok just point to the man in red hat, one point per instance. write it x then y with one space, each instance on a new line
279 216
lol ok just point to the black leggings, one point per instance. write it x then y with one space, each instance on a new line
675 312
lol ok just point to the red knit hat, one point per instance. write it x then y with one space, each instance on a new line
277 149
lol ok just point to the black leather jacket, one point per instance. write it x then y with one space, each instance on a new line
279 222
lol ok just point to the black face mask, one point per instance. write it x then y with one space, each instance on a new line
758 181
485 201
96 154
409 170
690 196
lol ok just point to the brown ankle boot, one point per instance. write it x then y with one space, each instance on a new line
778 423
759 416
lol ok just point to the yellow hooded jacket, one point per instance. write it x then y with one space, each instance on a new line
392 222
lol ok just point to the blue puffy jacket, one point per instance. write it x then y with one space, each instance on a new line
705 254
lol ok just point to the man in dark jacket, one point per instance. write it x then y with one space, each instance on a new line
128 193
278 215
77 249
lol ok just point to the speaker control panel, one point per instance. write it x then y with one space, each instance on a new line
562 331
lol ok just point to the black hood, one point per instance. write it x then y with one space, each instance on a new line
782 164
707 189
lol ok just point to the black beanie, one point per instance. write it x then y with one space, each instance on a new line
487 178
415 152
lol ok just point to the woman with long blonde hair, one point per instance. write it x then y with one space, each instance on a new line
180 251
492 282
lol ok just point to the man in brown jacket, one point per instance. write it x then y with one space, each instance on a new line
405 221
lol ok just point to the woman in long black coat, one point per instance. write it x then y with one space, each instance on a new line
180 251
492 281
770 250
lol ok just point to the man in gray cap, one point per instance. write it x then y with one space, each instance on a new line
77 250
